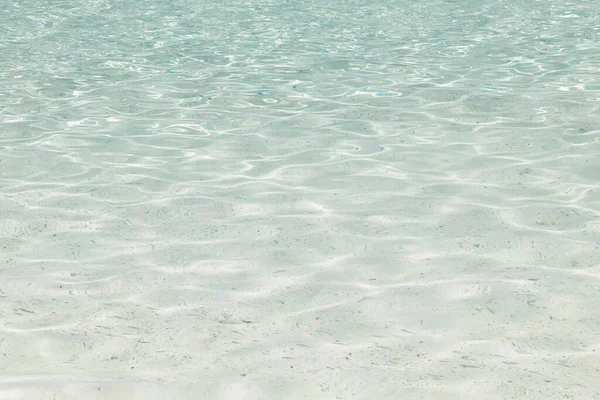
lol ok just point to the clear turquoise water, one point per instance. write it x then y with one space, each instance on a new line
287 200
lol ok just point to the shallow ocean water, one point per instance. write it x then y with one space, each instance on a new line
287 200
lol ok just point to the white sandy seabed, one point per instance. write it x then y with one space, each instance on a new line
299 213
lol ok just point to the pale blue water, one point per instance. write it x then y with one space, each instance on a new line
299 199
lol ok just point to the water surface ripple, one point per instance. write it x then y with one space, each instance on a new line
285 200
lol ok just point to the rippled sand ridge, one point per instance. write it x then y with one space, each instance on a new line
276 199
